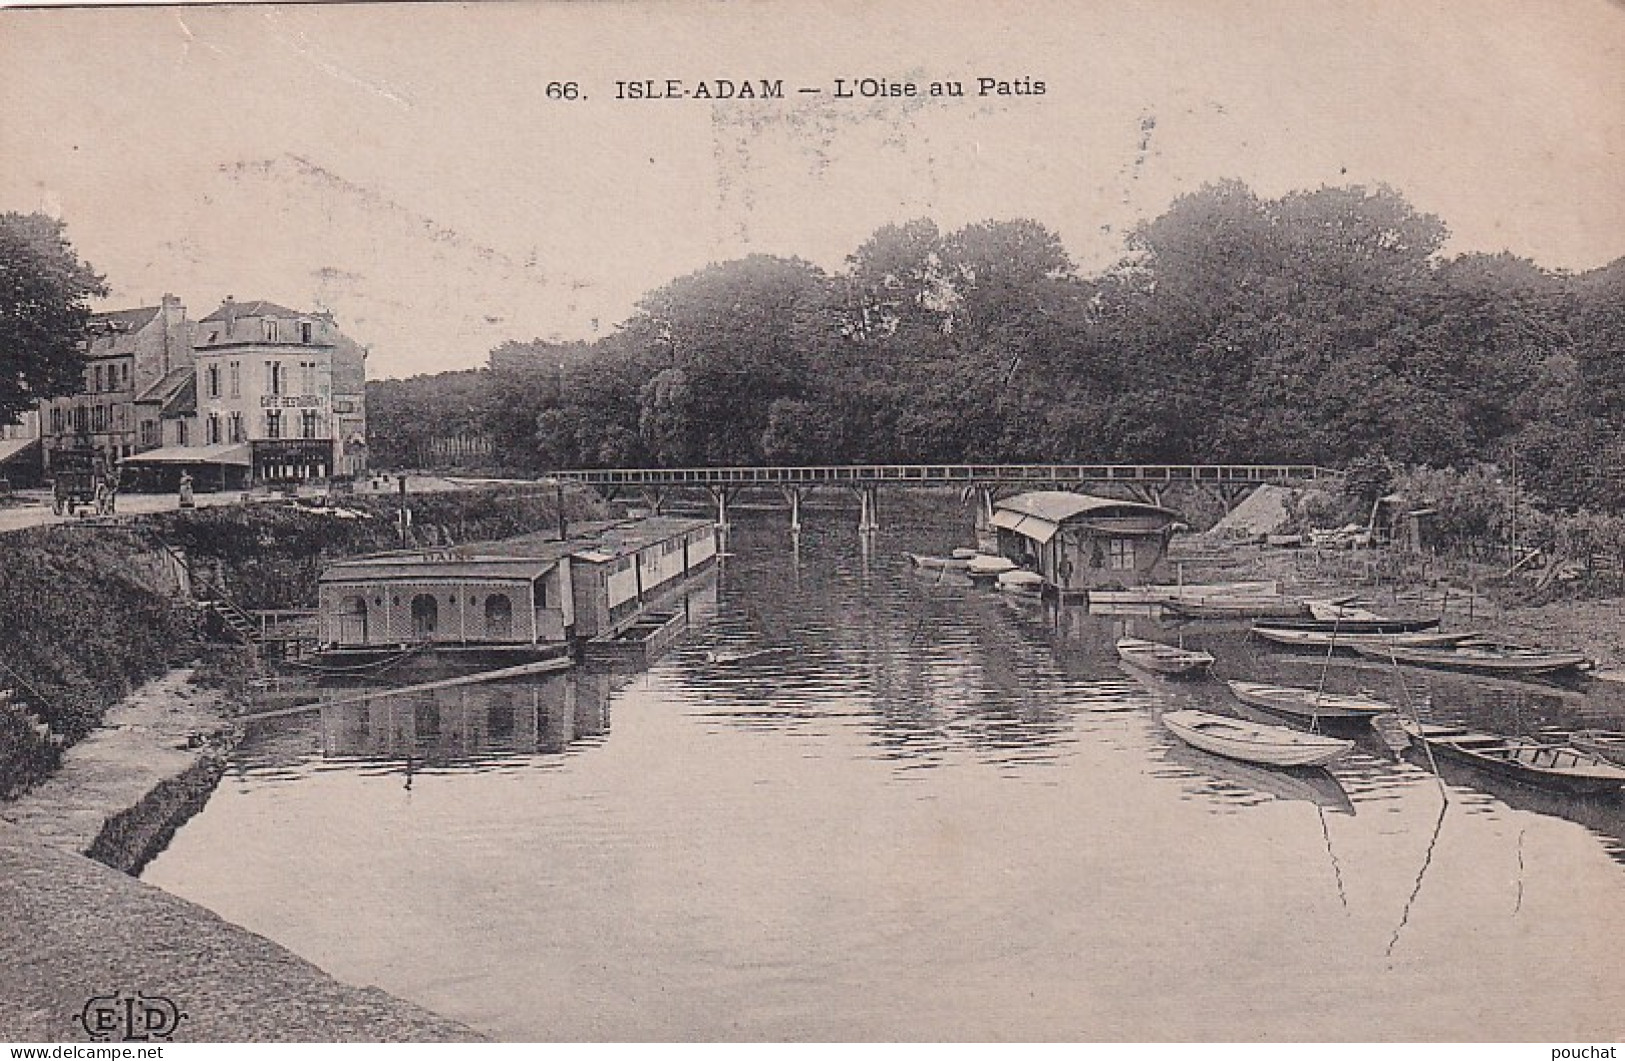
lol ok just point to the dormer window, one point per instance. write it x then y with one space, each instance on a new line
305 330
271 330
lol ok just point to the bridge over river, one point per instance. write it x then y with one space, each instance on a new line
1145 482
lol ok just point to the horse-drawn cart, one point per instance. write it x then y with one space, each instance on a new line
81 483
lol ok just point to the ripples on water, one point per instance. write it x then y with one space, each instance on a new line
947 814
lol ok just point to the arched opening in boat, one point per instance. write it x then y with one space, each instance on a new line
425 615
498 617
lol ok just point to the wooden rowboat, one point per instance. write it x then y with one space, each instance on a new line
1309 705
938 563
1372 624
1603 743
1162 659
1162 593
1253 743
1236 606
1482 657
988 567
1028 582
1283 634
1525 759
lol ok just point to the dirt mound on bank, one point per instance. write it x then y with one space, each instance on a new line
1267 510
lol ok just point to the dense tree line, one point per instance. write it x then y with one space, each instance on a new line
1321 327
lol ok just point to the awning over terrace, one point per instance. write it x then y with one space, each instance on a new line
229 453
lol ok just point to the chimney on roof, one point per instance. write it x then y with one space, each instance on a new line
230 308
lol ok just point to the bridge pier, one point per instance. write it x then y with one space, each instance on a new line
869 508
792 497
982 496
720 496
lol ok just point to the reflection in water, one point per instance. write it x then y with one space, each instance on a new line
947 813
464 727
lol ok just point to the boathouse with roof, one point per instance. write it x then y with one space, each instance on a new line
1079 542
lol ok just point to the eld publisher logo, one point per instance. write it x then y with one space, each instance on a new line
133 1018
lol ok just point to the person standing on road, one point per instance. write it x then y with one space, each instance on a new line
186 490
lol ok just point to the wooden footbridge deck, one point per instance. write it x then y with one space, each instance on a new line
1144 481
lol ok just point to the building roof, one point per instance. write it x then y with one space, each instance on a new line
257 308
10 448
1040 513
602 539
168 385
524 557
438 564
123 320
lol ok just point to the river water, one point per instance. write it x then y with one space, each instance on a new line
946 815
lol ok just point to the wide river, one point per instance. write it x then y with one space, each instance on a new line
946 814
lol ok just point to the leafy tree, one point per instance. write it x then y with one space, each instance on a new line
44 308
729 335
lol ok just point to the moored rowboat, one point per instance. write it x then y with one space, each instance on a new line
1162 659
1371 624
1483 657
1284 634
938 563
1236 606
1253 743
985 566
1029 582
1603 743
1161 593
1525 759
1309 705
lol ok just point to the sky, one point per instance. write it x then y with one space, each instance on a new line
404 167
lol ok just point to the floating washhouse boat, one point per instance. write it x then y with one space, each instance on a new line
1254 743
512 601
1078 542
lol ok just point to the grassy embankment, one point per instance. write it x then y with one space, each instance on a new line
87 612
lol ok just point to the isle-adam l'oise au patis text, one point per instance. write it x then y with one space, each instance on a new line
773 88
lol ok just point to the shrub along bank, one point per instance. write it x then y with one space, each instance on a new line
79 628
87 611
